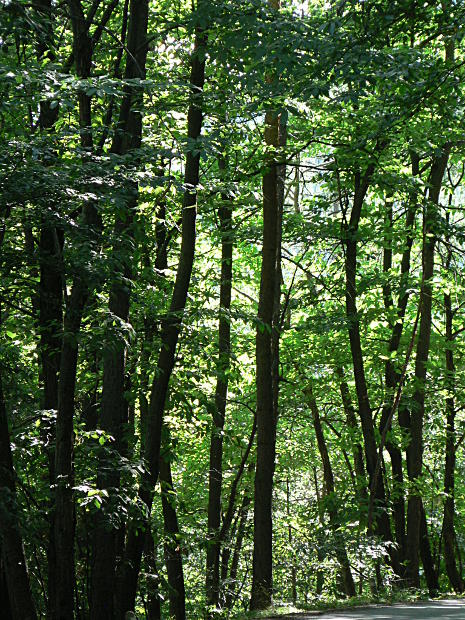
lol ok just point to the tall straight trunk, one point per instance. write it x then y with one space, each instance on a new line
172 543
330 497
64 470
391 374
20 603
383 527
265 378
51 331
216 442
448 528
267 345
50 319
171 328
114 404
415 447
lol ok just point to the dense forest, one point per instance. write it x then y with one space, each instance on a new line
232 304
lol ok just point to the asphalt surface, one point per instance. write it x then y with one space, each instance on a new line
437 610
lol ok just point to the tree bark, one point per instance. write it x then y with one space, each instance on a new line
267 347
448 528
170 330
391 374
50 319
114 404
216 441
243 513
172 541
383 527
415 447
330 496
266 394
13 562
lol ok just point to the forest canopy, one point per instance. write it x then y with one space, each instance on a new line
232 306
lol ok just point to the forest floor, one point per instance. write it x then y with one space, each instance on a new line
424 610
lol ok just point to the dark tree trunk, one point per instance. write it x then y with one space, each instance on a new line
64 497
383 527
431 575
415 447
51 331
266 395
5 605
114 404
448 528
330 497
64 517
216 441
127 589
153 582
50 319
391 374
267 357
230 595
172 542
20 604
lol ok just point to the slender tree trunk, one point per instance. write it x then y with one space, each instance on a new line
153 582
216 441
64 497
20 604
391 374
330 496
237 551
50 319
415 447
266 409
383 527
127 588
114 404
448 529
172 543
267 344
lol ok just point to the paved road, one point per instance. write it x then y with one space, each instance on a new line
441 610
444 610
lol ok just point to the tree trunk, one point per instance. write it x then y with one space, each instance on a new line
64 497
50 319
127 589
383 527
153 582
415 447
266 360
391 374
172 541
237 551
216 441
114 404
13 562
266 409
330 496
448 528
